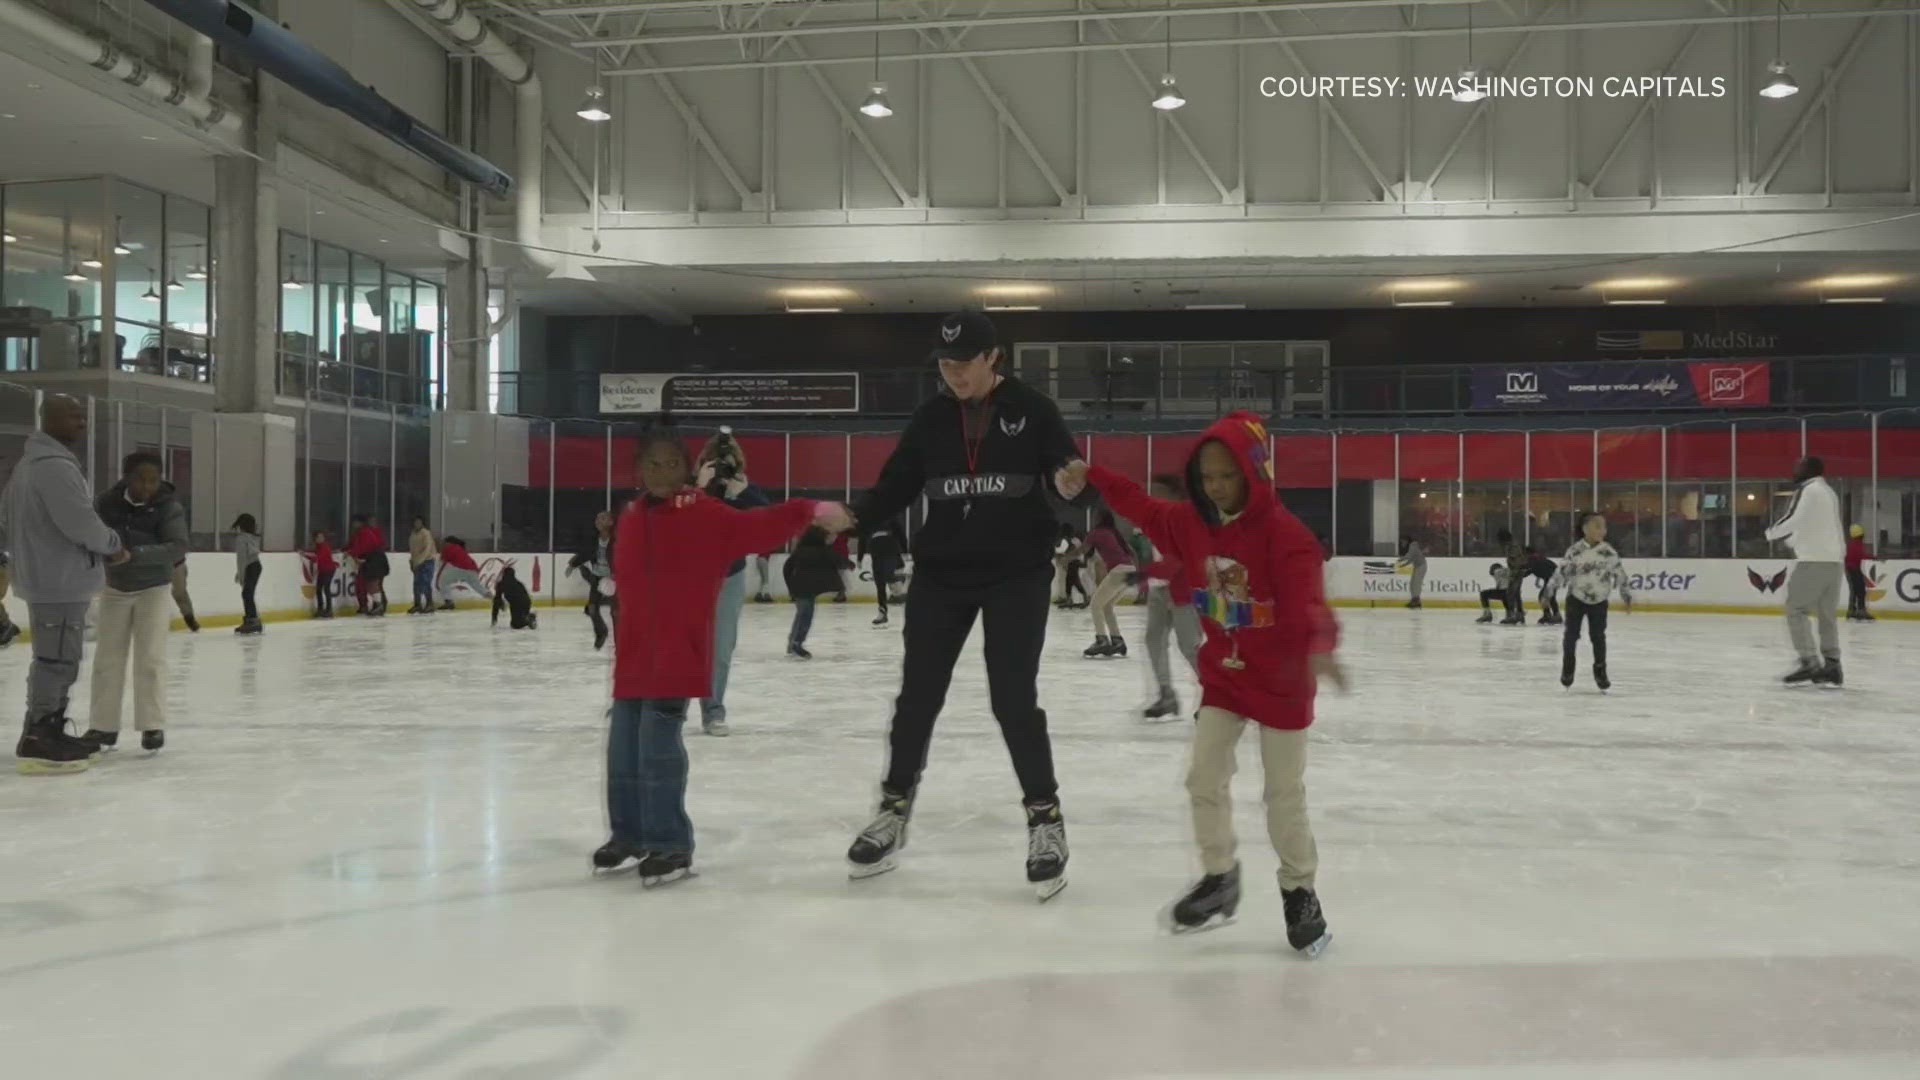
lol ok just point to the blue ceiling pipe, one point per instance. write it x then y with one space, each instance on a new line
275 50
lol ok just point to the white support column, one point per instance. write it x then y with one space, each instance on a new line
1526 488
1665 507
1873 479
1733 491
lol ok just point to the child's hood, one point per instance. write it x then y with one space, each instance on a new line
1242 433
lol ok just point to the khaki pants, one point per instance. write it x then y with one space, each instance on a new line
1283 757
133 629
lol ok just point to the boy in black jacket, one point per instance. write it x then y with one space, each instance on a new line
509 593
983 452
812 569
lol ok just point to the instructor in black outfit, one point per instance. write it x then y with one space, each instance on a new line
983 452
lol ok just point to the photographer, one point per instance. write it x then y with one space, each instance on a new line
721 472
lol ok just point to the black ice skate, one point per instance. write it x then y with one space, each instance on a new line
1306 923
1209 905
613 855
659 868
193 624
101 740
8 632
1807 672
798 651
1046 849
1485 617
1830 675
1600 678
45 749
152 741
877 848
1097 650
880 623
1165 707
1566 673
762 598
599 640
1117 647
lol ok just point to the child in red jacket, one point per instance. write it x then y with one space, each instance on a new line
1857 555
323 568
1256 580
672 549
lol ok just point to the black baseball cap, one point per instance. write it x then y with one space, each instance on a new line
964 335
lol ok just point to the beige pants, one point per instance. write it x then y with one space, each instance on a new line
1105 595
1283 757
133 629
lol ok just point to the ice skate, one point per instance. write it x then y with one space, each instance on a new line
1046 849
1165 707
7 634
659 868
101 740
1485 617
1098 649
798 651
1306 923
193 624
1566 674
1600 678
880 623
876 850
1808 671
1830 675
614 855
46 750
1117 647
1208 905
152 741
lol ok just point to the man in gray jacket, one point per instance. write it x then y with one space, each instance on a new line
60 550
136 610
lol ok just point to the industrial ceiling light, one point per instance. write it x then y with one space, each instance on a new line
151 296
1779 84
593 107
74 274
292 284
92 262
11 239
174 284
876 104
197 273
1466 86
1169 98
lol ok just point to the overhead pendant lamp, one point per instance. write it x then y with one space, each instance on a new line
876 104
174 284
197 273
73 274
152 295
594 106
1169 98
1779 83
1466 85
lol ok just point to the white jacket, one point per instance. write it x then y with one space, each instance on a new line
1812 525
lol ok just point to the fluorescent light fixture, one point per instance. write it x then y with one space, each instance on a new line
1781 84
1423 303
1636 283
1856 299
593 107
1169 97
1466 87
813 311
1425 285
1636 301
1216 307
1853 281
876 104
1017 290
815 292
1012 307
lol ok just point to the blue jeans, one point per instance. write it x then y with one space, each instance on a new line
423 584
726 633
802 620
647 775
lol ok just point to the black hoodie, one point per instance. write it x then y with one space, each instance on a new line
988 481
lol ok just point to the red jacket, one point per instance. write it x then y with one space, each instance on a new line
1256 581
456 556
367 539
670 558
1857 552
323 557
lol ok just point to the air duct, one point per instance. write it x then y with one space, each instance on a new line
529 118
186 95
279 53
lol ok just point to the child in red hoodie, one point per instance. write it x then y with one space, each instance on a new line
1255 573
672 549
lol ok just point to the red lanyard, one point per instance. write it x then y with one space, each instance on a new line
967 441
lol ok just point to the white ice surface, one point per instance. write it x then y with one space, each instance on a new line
363 853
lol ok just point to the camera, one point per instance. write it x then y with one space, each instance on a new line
726 462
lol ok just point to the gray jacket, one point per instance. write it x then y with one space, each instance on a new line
59 545
154 532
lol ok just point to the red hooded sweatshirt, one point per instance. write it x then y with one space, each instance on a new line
1856 552
323 556
1256 580
367 539
454 555
670 558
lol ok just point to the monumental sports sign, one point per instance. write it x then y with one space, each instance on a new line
1650 384
787 392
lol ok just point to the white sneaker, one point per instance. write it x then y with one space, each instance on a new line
717 728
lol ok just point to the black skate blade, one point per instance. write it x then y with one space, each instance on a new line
1050 888
1314 948
668 878
860 871
1214 921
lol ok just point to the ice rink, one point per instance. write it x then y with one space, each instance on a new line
364 854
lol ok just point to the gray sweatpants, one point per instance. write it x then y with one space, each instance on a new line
1419 581
59 638
1813 589
1183 622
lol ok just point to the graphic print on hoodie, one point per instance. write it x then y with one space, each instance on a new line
1259 580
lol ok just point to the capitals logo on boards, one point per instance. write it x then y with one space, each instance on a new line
1763 584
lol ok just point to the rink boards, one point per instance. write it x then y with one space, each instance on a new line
1701 585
